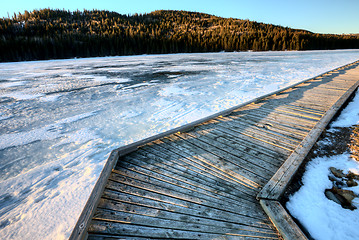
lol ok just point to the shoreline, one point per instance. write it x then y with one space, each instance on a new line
170 54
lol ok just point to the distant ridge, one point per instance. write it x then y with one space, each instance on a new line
52 34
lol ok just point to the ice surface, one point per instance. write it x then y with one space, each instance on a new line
49 132
9 84
60 119
323 218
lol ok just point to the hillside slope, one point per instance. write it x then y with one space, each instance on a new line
51 34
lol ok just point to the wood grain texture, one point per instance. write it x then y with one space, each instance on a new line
281 219
276 186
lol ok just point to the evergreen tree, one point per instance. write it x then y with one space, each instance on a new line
51 34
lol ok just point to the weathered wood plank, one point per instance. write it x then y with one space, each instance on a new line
287 127
191 202
164 233
322 104
345 79
179 186
314 95
294 117
213 178
241 150
349 76
248 163
128 211
194 168
200 162
224 190
190 171
254 143
320 92
286 102
111 237
160 186
300 110
274 129
307 108
246 145
269 145
275 187
291 107
119 183
185 223
207 156
331 88
258 132
169 205
226 162
282 220
281 118
289 112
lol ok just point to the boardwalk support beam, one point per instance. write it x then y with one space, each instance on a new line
282 220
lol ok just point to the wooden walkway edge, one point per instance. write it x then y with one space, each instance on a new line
220 177
276 186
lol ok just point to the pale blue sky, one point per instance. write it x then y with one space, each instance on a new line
320 16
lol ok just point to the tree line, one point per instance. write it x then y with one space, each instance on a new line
53 34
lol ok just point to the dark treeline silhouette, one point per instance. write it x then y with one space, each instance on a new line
52 34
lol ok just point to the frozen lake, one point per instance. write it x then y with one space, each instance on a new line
60 119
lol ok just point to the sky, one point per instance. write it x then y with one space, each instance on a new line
319 16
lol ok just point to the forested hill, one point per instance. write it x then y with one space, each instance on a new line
52 34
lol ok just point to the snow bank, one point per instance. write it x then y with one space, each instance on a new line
323 218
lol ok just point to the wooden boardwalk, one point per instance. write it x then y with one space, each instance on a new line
212 179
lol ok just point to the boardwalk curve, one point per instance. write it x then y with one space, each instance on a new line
220 177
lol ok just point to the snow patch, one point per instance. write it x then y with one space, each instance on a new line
350 115
22 95
11 84
323 218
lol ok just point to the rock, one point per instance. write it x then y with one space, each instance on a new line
331 196
351 183
352 175
336 193
337 172
331 178
347 194
339 183
345 197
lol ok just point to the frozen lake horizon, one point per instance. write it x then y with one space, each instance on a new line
60 119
